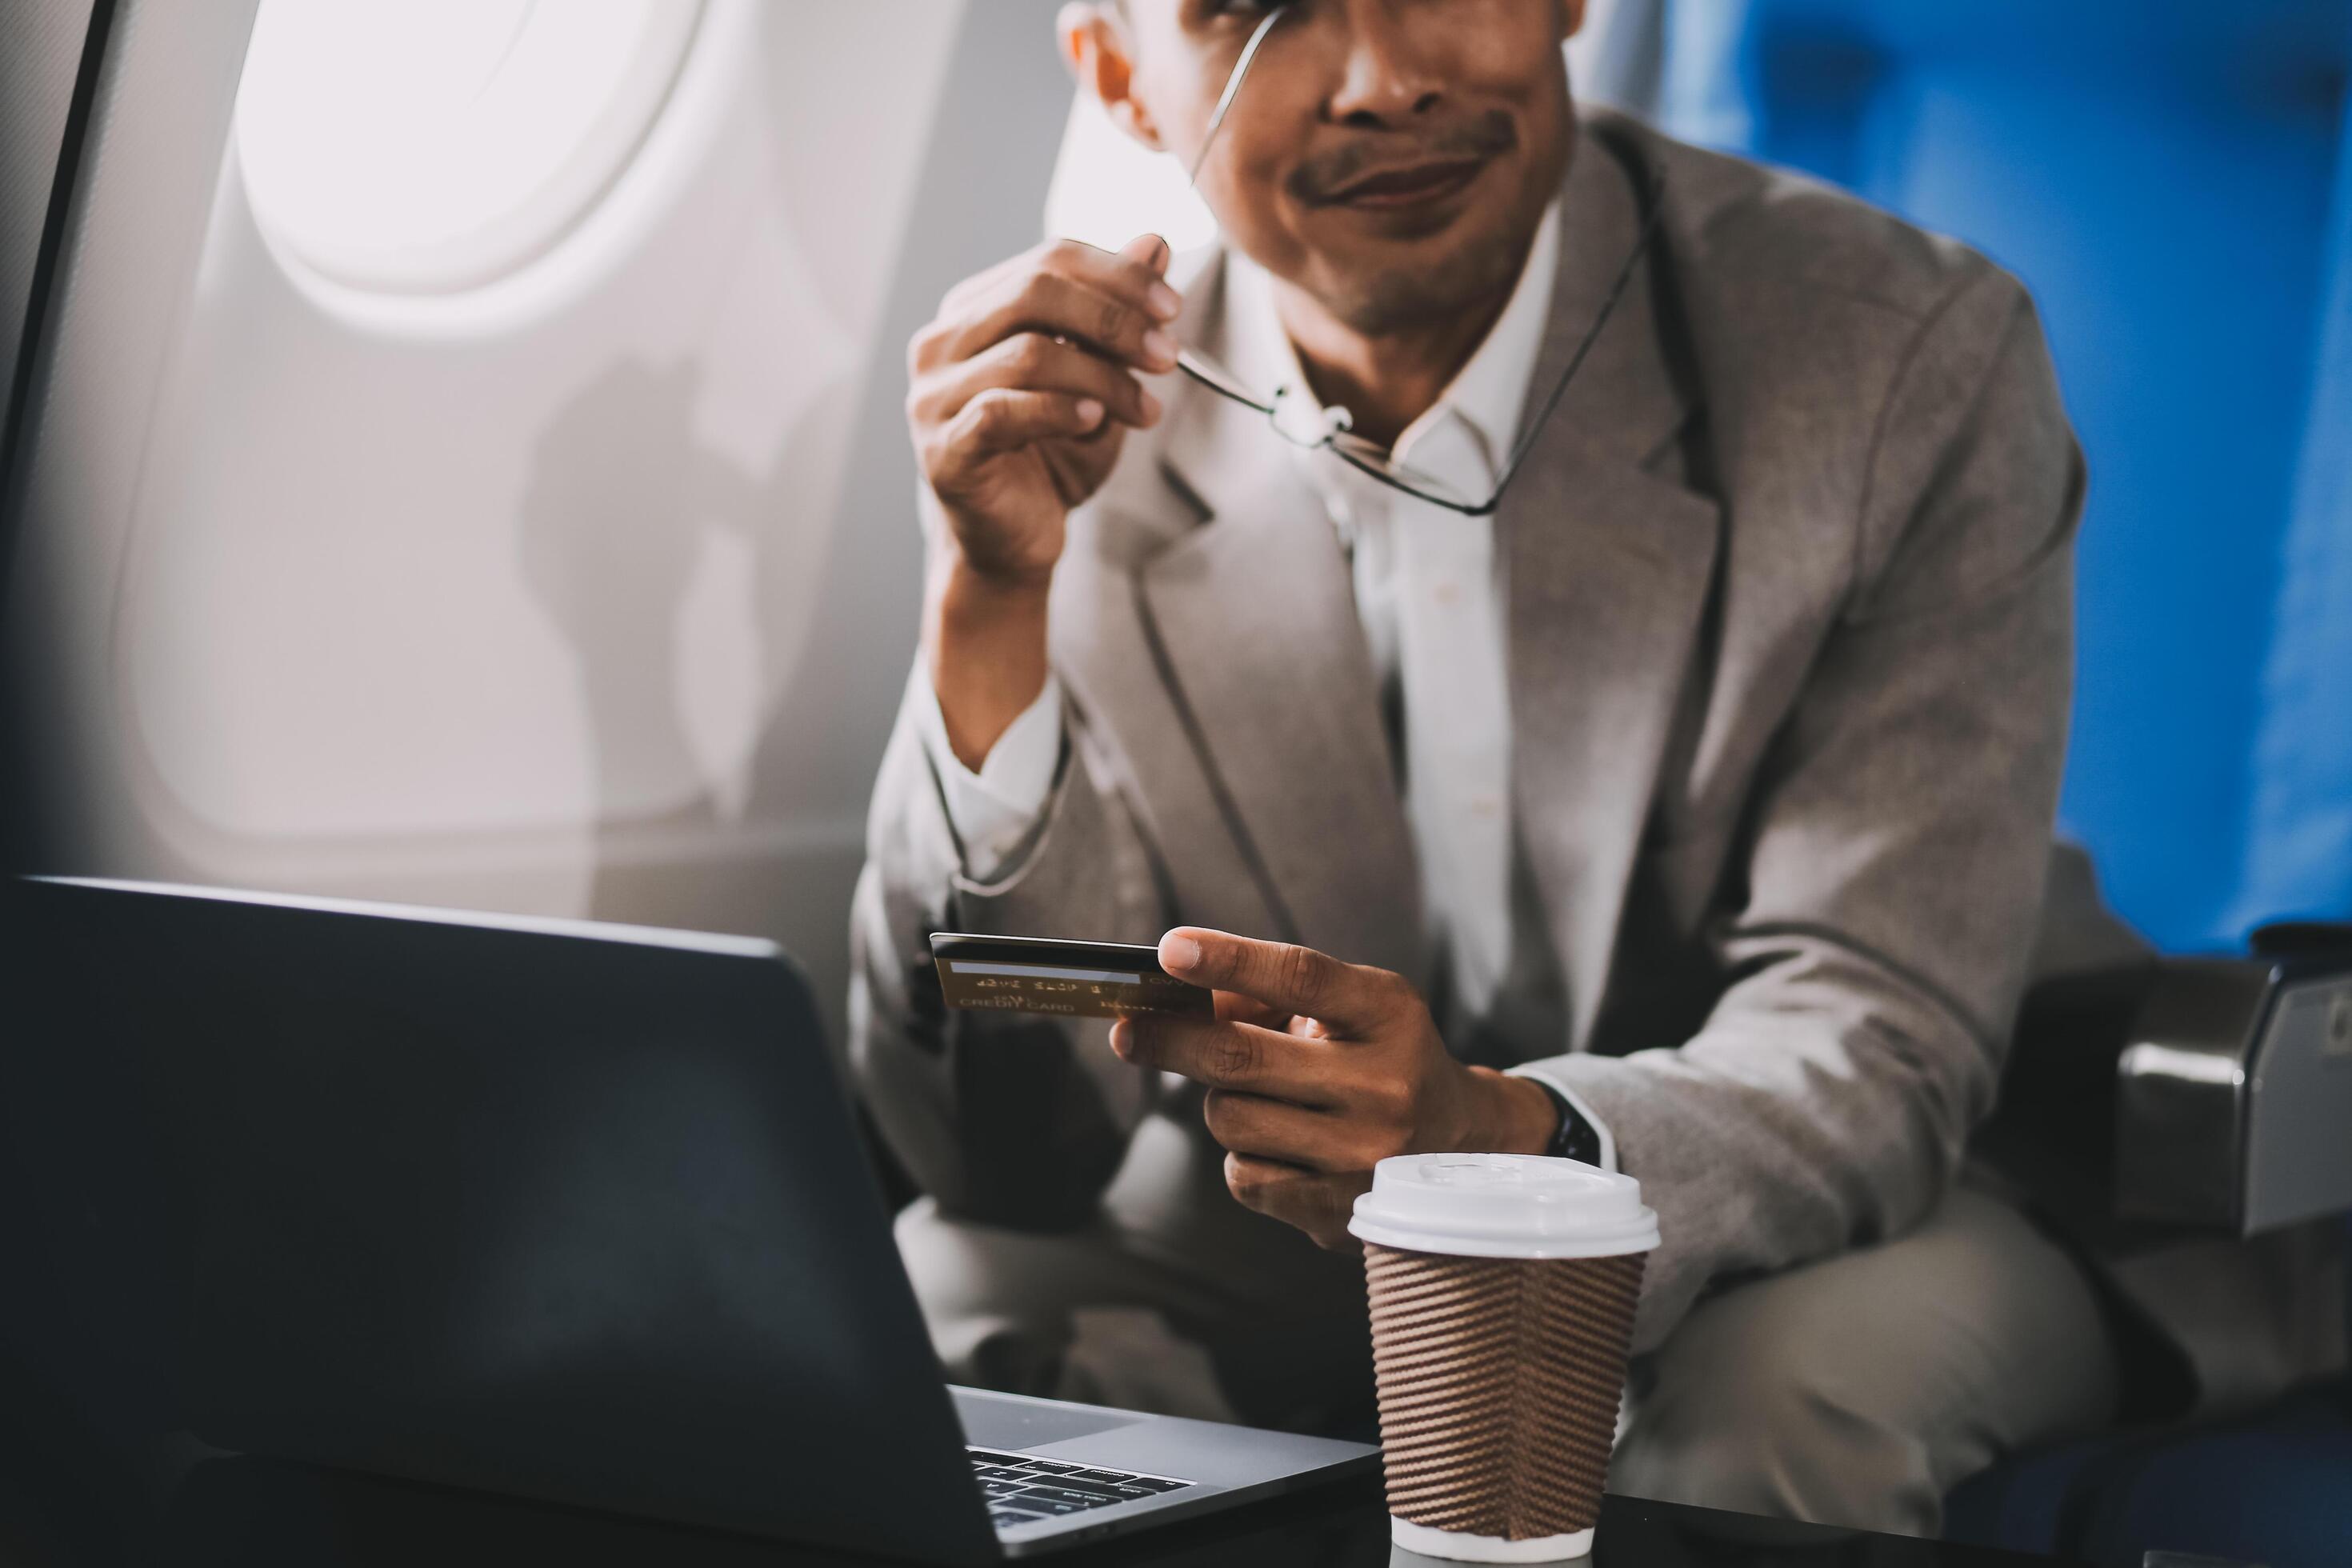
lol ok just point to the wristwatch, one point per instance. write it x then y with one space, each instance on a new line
1575 1138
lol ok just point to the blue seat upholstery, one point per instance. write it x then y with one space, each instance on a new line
2276 1489
2172 179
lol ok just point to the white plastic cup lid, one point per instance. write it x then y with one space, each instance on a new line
1503 1205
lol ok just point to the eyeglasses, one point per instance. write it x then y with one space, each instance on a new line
1294 418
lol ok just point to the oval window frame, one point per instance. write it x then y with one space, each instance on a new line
621 111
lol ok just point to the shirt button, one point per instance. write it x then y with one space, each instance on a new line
1448 593
1486 805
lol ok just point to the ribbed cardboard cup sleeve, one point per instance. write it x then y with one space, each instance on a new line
1499 1380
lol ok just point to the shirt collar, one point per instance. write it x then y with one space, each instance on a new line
1487 393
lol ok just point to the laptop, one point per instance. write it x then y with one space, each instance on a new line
573 1210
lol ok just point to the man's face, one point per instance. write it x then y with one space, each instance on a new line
1392 158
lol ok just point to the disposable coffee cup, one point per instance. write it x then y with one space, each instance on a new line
1502 1290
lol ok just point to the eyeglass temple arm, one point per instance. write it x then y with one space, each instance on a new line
1592 334
1233 86
1186 361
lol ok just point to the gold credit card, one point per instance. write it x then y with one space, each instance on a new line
1070 979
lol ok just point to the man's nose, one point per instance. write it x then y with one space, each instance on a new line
1387 78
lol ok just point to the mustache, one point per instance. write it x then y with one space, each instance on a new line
1314 181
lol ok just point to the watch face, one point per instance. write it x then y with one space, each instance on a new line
1575 1138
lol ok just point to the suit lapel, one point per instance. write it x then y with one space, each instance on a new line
1608 566
1253 612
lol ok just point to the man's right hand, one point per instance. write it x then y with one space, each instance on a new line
1023 385
1022 390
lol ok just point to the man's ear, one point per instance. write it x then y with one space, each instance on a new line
1097 48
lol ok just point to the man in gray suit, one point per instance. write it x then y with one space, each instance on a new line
1688 812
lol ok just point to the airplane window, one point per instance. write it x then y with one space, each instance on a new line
533 591
425 146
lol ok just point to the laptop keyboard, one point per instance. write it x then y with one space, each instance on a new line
1022 1491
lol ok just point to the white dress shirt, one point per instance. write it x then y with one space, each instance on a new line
1430 596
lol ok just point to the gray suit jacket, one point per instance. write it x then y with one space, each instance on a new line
1789 607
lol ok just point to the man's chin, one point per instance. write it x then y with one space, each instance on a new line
1387 266
1383 283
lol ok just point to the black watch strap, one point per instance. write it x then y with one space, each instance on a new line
1575 1138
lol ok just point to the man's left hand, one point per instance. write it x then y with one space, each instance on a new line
1316 1070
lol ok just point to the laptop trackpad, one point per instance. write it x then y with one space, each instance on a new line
1008 1421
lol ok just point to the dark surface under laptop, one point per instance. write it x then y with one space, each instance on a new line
256 1512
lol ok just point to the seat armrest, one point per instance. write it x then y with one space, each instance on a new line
2231 1104
2208 1093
